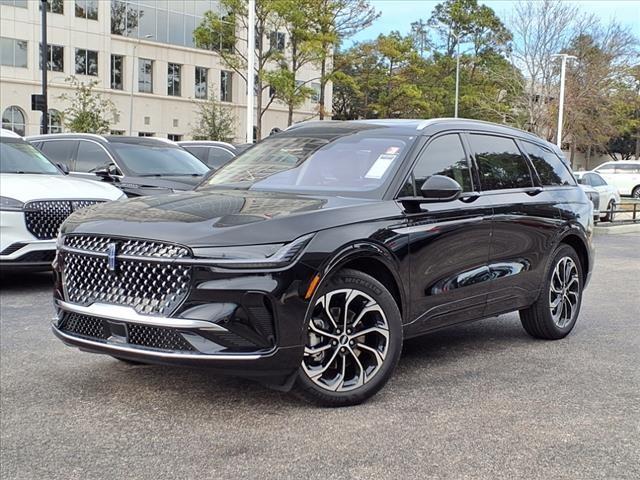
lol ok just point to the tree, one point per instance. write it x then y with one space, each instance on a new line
336 20
304 47
215 121
219 33
89 111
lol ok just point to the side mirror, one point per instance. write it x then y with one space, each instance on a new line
63 167
439 188
106 171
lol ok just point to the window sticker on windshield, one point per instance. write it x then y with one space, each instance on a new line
380 166
393 150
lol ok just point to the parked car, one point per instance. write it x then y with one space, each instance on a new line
136 165
608 196
624 175
36 197
594 197
213 154
308 260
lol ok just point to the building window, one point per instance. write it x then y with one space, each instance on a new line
54 120
86 62
13 118
55 6
13 53
173 79
14 3
117 61
87 9
55 58
226 79
117 132
145 75
201 89
277 41
315 96
146 134
174 137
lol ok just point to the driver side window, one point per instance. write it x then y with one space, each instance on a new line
443 156
90 157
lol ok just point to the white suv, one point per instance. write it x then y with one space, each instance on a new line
624 175
35 198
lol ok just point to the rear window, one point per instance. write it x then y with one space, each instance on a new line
551 170
500 163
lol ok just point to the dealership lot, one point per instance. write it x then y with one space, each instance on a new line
480 401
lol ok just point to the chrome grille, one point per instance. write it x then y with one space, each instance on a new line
43 218
152 288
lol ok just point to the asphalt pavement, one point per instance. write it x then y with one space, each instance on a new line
479 401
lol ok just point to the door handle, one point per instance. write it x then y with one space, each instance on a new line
469 197
534 191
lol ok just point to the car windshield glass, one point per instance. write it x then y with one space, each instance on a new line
19 157
351 165
150 160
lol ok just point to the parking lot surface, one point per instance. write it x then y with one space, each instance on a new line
478 401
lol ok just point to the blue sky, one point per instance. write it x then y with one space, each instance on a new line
398 14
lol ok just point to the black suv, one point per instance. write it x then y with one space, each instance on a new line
136 165
307 260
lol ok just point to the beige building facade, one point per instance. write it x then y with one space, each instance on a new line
142 55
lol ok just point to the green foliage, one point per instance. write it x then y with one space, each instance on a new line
215 121
89 111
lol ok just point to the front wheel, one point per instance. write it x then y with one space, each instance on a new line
555 312
608 217
353 341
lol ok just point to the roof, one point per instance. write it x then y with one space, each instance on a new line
206 143
8 133
104 138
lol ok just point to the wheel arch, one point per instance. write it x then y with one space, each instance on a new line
580 246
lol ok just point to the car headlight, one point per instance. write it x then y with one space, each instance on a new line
11 205
272 255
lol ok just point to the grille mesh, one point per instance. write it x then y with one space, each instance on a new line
148 287
43 218
142 335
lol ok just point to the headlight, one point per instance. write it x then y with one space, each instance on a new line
11 204
273 255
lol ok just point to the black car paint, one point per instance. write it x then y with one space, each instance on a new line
480 255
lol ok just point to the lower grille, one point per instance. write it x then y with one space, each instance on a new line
43 218
156 338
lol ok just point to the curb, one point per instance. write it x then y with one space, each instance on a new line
616 229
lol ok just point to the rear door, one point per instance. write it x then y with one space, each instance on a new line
449 242
525 221
60 151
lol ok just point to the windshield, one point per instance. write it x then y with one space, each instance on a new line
20 157
351 165
150 160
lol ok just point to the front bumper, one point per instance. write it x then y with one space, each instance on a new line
19 249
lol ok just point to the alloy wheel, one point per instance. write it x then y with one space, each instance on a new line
347 340
564 292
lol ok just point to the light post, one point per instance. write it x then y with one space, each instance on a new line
133 68
251 58
455 110
563 67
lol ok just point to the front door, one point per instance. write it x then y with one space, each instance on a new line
449 242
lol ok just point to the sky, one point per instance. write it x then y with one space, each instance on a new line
398 14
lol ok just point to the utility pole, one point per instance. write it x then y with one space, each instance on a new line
44 125
563 67
251 59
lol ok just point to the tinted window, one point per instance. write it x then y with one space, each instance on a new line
21 157
60 151
606 168
500 163
627 168
550 168
596 180
151 160
200 153
443 156
90 156
218 157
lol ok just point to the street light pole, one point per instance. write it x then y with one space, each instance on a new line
251 58
455 113
563 67
44 52
133 68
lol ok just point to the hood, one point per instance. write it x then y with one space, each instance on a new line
209 218
170 182
26 187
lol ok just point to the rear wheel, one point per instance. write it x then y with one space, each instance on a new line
354 340
636 192
555 312
610 215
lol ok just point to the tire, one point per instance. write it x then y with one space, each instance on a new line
609 216
125 360
542 319
636 192
341 368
